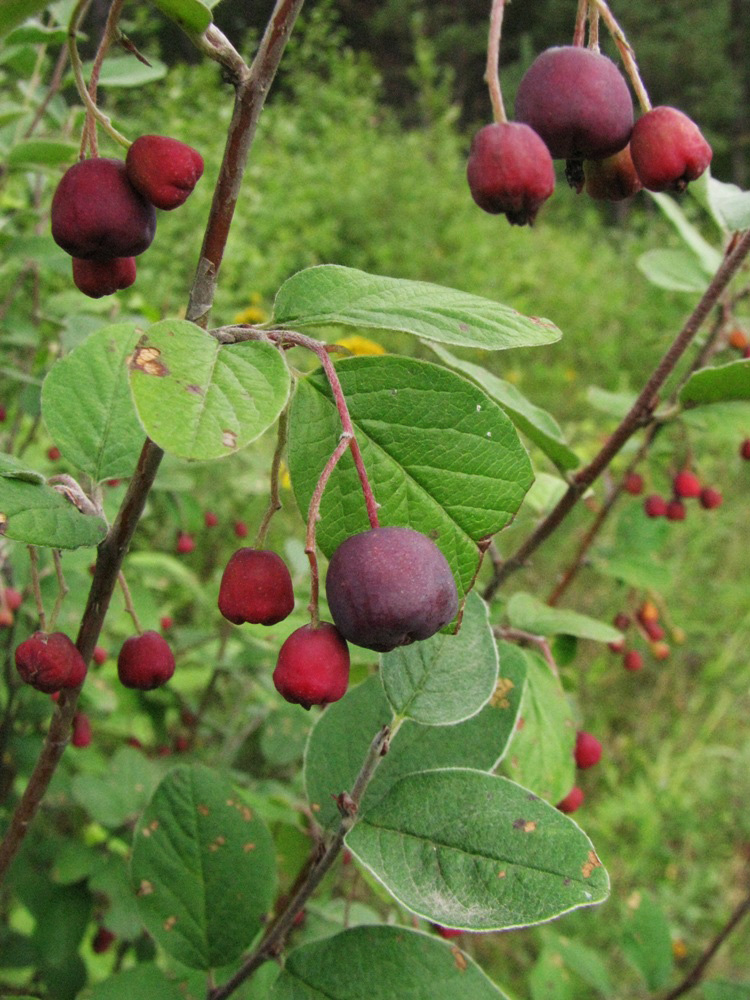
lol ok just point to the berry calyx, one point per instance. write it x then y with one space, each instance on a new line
81 736
256 587
97 278
510 171
389 587
163 170
98 215
145 661
572 801
632 660
686 485
313 666
710 498
50 662
588 750
655 505
578 102
668 150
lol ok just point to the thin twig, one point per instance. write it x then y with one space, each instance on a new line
492 73
626 54
128 598
36 588
274 500
62 587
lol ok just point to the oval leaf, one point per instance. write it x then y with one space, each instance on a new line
88 408
723 384
39 515
447 678
15 12
41 153
441 456
201 400
381 963
532 615
191 15
203 868
474 851
127 71
675 270
331 295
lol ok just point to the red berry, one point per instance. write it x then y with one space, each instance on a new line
613 178
313 666
97 214
81 730
738 340
102 940
633 660
572 801
100 655
447 932
668 150
711 498
510 171
675 510
163 170
256 587
648 612
13 598
578 102
145 661
241 529
655 505
618 646
54 453
659 650
588 750
686 485
210 519
633 483
97 278
746 352
166 623
654 631
745 449
185 543
50 663
181 744
622 621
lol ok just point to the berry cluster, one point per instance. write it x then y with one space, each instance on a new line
587 753
386 587
103 211
646 623
685 486
574 104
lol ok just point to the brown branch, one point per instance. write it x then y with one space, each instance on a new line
638 416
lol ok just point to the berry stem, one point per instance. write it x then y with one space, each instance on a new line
62 587
36 588
274 500
108 36
626 54
593 27
519 635
579 32
492 73
128 598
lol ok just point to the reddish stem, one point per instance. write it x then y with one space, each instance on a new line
492 74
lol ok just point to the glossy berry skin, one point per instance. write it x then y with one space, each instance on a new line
655 506
578 102
632 660
668 150
675 510
97 278
572 801
256 587
98 215
163 170
313 666
613 178
633 484
588 750
710 498
510 171
50 662
389 587
81 736
145 661
745 450
686 485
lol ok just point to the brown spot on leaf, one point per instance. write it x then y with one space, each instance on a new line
592 863
195 389
464 327
219 842
529 826
315 806
519 824
459 958
146 359
229 439
248 847
203 810
499 697
502 874
169 923
145 888
3 523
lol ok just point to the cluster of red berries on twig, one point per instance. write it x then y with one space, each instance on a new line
587 753
647 625
685 486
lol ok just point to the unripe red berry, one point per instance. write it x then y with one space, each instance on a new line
633 483
97 278
50 663
313 666
745 449
686 485
633 660
145 661
97 214
100 655
659 650
675 510
654 631
13 598
711 498
613 178
588 750
510 171
81 736
102 940
210 519
655 505
572 801
738 340
648 612
256 587
577 101
185 543
163 170
181 744
618 646
6 617
668 150
166 623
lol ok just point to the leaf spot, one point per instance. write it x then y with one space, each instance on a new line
459 959
464 327
203 810
315 806
499 697
589 866
219 842
146 360
145 888
169 923
196 390
529 826
229 439
502 874
248 847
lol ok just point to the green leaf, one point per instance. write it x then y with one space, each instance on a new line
582 960
729 204
381 963
15 12
203 868
127 71
722 384
447 678
191 15
34 33
201 400
708 256
647 942
541 754
614 404
675 270
725 421
642 570
341 737
723 989
549 979
474 851
41 153
67 912
284 736
539 426
13 468
532 615
39 515
144 980
116 798
88 408
331 295
442 458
